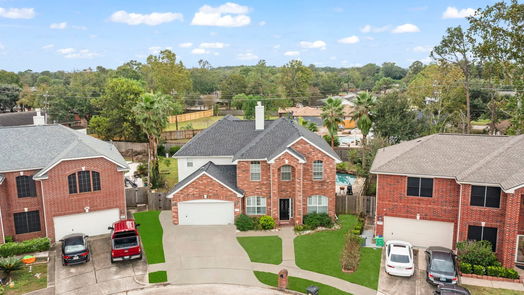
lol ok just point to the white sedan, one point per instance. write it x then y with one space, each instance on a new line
399 259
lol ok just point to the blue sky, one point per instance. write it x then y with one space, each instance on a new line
73 35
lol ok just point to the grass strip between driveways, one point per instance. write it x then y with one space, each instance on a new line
158 276
266 249
320 252
151 232
478 290
297 284
26 281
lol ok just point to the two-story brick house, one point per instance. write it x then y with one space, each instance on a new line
444 188
55 181
255 167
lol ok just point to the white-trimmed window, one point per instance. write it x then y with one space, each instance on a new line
285 173
256 206
317 204
255 170
318 170
189 163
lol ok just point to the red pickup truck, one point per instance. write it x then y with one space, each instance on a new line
125 241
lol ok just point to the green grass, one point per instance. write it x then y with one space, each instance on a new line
201 123
169 170
481 122
158 276
320 252
477 290
151 234
263 249
26 281
297 284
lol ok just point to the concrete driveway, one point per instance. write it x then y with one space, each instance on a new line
204 255
98 276
416 285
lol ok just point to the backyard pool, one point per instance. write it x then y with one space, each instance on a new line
345 179
348 140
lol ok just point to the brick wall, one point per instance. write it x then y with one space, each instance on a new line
204 185
260 188
287 189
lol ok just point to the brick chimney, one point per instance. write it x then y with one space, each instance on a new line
259 116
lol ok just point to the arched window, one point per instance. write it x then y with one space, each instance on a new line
255 206
84 181
318 170
285 173
25 186
317 204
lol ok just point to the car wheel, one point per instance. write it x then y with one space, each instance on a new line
112 261
64 263
88 258
140 257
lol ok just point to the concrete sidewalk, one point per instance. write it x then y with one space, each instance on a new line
492 284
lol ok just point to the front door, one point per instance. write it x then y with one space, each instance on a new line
284 209
520 249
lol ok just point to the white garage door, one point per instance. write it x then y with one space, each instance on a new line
205 212
91 223
421 233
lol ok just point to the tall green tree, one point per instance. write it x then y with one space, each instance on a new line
9 95
9 78
261 80
364 103
332 115
167 75
151 114
247 103
295 79
311 126
205 80
232 85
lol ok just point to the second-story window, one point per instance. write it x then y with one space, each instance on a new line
485 196
254 170
285 173
318 170
420 187
84 181
189 163
25 186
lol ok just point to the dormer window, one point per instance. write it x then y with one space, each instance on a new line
84 181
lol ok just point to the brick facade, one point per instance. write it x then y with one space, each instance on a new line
448 198
53 195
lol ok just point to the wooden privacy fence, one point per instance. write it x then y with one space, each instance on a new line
158 201
180 134
143 196
136 196
355 204
190 116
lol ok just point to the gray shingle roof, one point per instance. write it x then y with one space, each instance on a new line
226 174
41 147
240 140
495 160
16 119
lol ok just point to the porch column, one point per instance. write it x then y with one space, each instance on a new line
508 237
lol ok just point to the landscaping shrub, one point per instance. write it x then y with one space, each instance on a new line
9 239
174 149
161 150
351 253
10 264
465 267
17 248
495 271
300 228
511 273
314 220
477 253
479 270
256 223
267 222
244 223
356 232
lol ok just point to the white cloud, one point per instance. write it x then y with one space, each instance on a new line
369 38
406 28
48 46
200 51
216 45
185 45
15 13
292 53
58 26
226 15
349 40
277 46
315 44
453 12
422 48
157 49
262 23
247 56
152 19
73 53
372 29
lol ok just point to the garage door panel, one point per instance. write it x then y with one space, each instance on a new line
91 223
421 233
207 212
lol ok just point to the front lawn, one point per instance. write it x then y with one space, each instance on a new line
320 252
151 232
158 276
477 290
297 284
26 281
168 168
200 123
263 249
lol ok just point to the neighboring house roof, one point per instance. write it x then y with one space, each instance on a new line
224 174
475 159
42 147
239 139
301 111
16 119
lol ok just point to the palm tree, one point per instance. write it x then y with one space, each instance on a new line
332 115
364 102
10 264
151 114
311 126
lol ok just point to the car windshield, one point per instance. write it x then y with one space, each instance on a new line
73 245
126 242
399 258
444 266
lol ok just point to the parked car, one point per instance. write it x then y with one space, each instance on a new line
441 266
447 289
399 259
125 241
75 249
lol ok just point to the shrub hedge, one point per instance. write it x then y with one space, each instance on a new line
351 253
266 222
477 253
17 248
479 270
314 220
244 223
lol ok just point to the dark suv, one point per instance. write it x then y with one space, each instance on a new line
441 266
75 249
447 289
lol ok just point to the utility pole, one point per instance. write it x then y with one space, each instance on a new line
46 106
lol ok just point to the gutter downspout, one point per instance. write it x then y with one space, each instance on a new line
43 205
459 215
376 206
2 224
